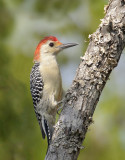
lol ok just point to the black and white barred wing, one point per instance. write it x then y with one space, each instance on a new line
36 88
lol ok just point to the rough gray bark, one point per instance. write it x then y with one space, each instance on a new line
102 55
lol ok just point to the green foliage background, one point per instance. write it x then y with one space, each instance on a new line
22 24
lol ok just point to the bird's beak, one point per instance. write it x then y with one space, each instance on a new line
67 45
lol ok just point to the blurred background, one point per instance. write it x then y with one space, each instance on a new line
23 23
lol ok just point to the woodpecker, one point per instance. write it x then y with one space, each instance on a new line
46 83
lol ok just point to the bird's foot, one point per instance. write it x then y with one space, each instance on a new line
60 107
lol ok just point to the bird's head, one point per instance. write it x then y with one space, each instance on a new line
50 46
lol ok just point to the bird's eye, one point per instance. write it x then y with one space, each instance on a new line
51 44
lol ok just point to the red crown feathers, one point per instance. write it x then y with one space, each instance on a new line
43 41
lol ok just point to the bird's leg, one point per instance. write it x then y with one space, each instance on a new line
63 101
60 105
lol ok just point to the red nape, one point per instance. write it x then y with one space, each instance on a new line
37 51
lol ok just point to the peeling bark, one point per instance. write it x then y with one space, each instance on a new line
101 57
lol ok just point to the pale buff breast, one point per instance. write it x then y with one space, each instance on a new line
52 79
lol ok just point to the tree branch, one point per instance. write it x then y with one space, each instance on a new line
102 55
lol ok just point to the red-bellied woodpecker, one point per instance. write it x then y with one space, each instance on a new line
46 83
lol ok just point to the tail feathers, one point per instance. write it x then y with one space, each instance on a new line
42 131
47 130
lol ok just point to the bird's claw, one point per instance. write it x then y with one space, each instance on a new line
61 107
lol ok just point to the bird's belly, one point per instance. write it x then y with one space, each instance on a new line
53 87
52 90
52 81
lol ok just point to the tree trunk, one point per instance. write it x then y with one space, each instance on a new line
102 55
